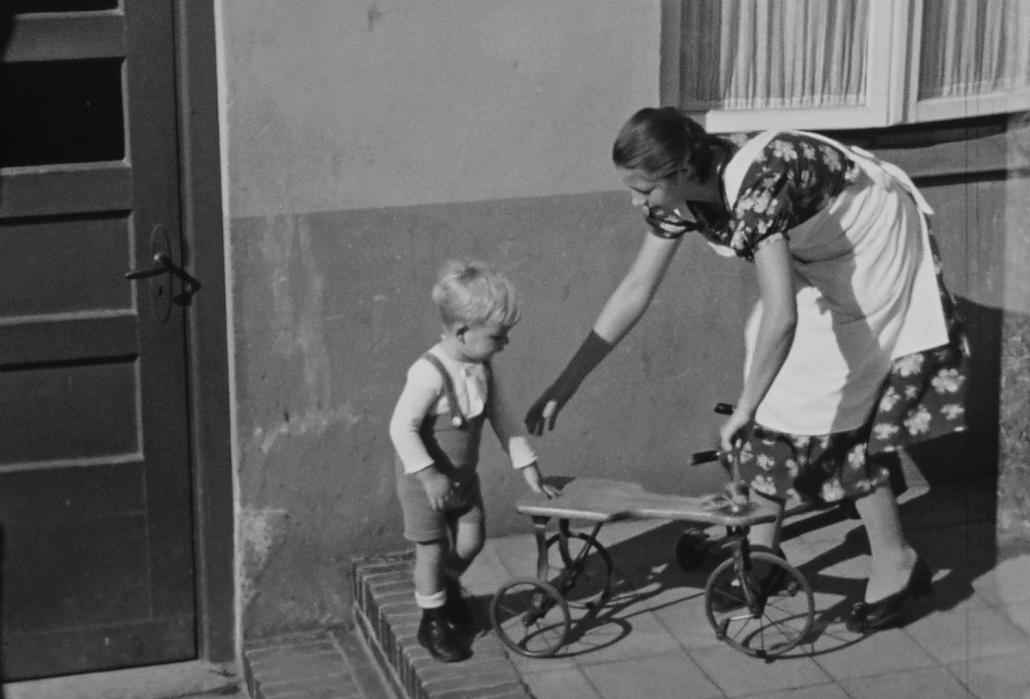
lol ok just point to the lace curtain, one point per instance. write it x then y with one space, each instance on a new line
974 47
762 54
750 55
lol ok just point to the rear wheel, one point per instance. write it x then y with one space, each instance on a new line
531 617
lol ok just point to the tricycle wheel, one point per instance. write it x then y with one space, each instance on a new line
759 604
531 617
582 571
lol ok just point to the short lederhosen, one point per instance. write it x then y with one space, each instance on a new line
453 443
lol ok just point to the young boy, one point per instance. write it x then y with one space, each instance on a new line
436 430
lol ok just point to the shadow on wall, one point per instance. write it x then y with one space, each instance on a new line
974 453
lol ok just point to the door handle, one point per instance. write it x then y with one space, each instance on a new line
163 264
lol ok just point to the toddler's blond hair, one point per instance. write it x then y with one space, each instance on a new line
474 293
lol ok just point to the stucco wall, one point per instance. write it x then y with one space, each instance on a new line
365 143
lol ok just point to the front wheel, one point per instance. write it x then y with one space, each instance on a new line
581 570
762 606
531 617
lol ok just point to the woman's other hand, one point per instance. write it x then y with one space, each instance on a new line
735 430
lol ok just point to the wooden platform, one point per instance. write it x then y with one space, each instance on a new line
604 500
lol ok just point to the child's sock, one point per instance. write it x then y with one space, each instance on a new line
433 601
435 632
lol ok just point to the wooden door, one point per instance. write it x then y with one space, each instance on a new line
95 475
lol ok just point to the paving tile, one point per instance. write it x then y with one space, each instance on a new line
1006 582
683 615
944 506
486 573
953 590
819 691
658 676
1003 677
739 675
567 683
517 555
1018 614
935 682
977 633
969 548
622 636
532 666
881 653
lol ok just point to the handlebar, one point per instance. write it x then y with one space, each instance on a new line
704 457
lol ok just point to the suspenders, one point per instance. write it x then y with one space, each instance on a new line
457 419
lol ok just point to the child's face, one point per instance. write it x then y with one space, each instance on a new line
480 342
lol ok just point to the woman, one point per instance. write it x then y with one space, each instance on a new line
853 349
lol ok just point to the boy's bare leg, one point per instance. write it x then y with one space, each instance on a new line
428 570
468 542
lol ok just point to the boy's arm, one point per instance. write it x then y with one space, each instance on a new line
514 439
508 429
421 391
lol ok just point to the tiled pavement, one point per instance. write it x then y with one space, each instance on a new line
652 639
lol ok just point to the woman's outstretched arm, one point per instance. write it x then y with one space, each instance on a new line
624 308
631 298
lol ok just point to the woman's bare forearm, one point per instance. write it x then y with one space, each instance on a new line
631 298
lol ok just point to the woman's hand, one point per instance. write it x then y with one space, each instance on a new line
545 409
736 429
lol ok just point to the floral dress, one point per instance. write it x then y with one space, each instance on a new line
789 186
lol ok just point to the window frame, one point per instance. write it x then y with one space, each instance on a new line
892 82
943 108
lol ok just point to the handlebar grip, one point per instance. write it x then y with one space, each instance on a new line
704 457
724 408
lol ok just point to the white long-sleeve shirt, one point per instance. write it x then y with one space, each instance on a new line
424 394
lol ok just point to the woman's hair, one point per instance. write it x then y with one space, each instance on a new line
660 140
474 293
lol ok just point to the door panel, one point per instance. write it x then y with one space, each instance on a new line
95 476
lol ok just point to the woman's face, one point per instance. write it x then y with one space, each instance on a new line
664 194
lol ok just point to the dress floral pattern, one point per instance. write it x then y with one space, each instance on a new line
792 179
923 395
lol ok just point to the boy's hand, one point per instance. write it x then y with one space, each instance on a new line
437 487
532 475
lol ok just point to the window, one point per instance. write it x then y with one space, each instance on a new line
844 64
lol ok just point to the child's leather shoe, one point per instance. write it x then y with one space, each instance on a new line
439 637
459 611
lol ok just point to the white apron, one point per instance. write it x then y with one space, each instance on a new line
866 293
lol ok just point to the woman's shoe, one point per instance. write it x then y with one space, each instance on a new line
872 616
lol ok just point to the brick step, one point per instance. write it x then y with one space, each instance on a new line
386 615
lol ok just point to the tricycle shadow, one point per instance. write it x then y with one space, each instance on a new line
650 582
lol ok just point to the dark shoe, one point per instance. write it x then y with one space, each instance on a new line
730 596
872 616
439 637
459 611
